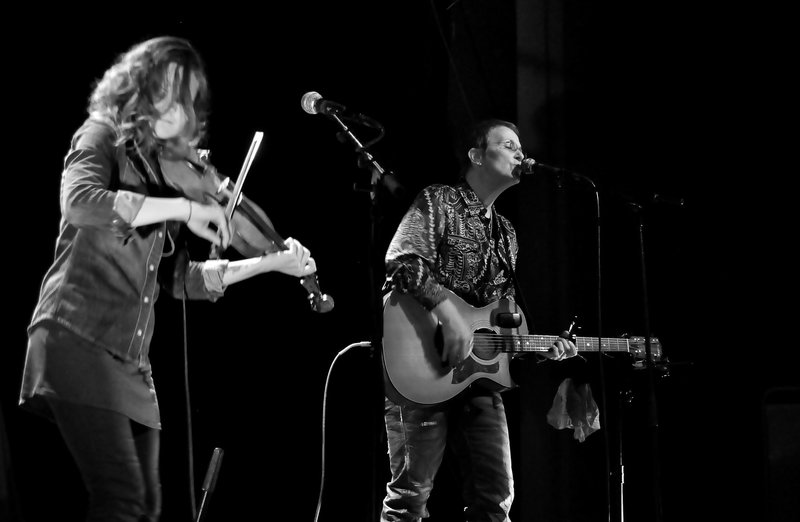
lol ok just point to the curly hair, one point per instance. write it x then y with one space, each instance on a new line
124 98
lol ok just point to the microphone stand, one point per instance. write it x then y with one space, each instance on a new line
210 482
650 364
367 161
650 368
560 172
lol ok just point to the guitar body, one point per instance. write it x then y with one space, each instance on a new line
412 348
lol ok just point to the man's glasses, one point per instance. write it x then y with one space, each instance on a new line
512 146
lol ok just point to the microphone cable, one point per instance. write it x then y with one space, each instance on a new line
362 344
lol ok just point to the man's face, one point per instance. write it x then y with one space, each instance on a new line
503 151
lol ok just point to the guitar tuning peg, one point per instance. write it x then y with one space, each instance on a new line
572 325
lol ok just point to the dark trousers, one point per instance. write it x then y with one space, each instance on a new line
118 460
474 426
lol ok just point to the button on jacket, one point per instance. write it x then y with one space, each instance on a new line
106 275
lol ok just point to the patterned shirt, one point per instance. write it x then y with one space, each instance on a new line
445 240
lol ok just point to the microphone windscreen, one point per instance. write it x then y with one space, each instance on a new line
309 102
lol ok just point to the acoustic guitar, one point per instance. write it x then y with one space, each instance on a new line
412 347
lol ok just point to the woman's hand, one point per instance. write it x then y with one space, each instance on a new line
200 218
295 261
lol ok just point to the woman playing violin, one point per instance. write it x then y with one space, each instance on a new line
87 366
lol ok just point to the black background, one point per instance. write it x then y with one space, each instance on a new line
683 100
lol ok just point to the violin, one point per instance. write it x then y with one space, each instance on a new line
188 171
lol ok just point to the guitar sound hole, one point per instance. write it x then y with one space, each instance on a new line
487 344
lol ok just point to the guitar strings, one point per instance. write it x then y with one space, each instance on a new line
537 343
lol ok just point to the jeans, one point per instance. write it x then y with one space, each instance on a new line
474 426
117 459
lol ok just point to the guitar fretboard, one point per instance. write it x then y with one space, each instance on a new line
542 343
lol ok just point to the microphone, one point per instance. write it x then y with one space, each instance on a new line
674 202
530 166
313 103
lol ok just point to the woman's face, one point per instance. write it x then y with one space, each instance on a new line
172 118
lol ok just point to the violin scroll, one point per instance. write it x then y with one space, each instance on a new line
320 303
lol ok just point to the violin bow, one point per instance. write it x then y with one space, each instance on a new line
319 302
248 161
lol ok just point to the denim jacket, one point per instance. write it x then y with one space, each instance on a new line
106 274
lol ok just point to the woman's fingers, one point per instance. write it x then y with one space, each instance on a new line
203 215
310 267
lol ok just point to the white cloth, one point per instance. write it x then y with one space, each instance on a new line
574 407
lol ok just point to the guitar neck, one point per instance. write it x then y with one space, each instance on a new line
542 343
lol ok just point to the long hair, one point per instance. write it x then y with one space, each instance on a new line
125 96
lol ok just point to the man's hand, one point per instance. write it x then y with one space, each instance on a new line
561 349
456 334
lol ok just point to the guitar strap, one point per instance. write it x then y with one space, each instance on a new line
514 279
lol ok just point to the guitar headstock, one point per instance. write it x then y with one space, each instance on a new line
638 348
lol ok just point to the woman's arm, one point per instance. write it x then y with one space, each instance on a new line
88 201
296 261
197 216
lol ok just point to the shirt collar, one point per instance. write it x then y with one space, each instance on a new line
475 206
